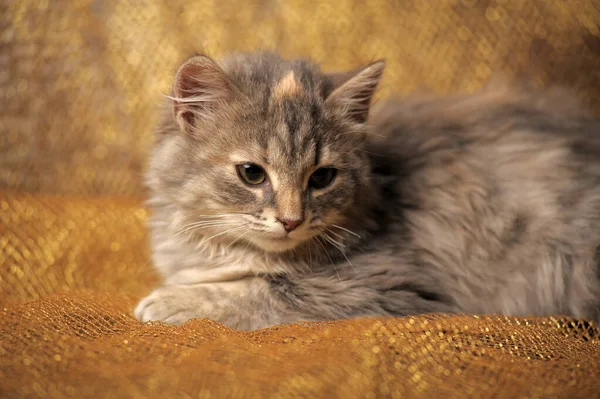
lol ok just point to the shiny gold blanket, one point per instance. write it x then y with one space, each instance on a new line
79 83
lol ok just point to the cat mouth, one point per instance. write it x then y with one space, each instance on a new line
285 238
275 243
276 236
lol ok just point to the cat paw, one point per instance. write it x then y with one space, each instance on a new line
171 304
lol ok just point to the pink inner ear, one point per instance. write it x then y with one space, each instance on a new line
189 81
200 84
186 86
182 112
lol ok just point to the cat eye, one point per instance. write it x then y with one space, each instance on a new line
251 174
322 177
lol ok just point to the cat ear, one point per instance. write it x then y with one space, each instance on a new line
200 88
352 91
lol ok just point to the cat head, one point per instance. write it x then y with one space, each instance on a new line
264 151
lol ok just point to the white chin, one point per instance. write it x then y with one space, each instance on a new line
274 245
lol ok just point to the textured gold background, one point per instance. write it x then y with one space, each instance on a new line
79 83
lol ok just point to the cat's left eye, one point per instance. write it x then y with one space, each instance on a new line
251 174
322 177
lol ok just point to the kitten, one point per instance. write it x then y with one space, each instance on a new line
276 199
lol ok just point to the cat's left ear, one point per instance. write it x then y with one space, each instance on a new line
351 92
201 87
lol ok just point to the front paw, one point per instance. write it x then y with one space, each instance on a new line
171 304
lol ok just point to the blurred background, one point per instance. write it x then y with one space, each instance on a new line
80 79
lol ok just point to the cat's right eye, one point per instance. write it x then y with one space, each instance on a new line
322 177
251 174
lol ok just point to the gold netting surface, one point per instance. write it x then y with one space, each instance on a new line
52 244
82 345
79 83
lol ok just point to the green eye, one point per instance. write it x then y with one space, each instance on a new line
251 174
322 177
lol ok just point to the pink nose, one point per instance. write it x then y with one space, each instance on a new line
290 224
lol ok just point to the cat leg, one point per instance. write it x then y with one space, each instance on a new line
319 297
256 302
245 304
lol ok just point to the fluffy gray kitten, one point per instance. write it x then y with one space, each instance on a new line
276 200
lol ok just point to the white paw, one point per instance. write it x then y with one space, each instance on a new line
171 304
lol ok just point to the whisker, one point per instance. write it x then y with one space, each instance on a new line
346 230
348 260
195 224
237 238
247 243
191 230
201 226
194 99
332 241
341 250
369 152
218 234
335 234
200 223
218 215
330 260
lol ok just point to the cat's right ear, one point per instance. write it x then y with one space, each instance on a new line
351 92
200 88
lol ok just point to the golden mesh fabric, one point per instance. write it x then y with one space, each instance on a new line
79 81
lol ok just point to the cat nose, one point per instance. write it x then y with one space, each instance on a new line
290 224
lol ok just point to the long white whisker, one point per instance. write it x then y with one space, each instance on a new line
219 234
330 260
196 224
201 226
332 241
247 242
218 215
193 229
201 223
211 219
345 229
237 238
341 249
335 234
348 260
369 152
194 99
